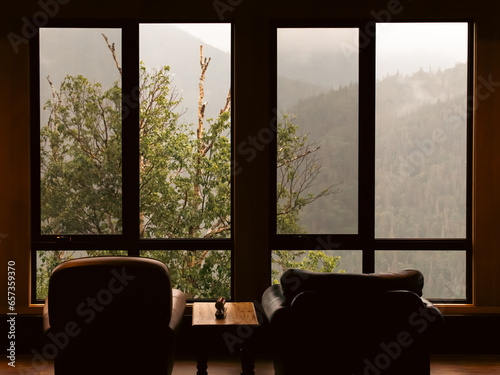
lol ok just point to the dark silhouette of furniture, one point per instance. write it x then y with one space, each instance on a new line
355 324
112 315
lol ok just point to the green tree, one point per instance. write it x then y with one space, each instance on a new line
314 260
80 153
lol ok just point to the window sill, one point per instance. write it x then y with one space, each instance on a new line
468 309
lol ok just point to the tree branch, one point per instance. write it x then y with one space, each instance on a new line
113 51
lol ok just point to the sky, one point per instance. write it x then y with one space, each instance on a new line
407 47
404 47
215 34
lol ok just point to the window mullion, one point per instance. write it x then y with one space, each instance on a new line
366 209
130 134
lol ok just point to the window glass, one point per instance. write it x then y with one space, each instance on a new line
198 273
444 271
185 131
317 153
350 261
421 130
80 131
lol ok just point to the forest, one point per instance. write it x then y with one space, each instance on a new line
420 167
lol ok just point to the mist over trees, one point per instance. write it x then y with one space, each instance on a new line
420 155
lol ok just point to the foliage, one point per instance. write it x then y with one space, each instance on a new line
171 166
314 260
198 273
80 156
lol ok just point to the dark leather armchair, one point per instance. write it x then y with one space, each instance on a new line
355 324
112 315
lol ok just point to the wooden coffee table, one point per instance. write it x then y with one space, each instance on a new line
236 330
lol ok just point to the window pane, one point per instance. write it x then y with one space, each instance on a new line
80 131
350 261
47 260
444 271
317 161
185 131
421 130
197 273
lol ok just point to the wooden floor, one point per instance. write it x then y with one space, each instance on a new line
442 365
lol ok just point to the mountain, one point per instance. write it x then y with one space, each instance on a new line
327 58
291 91
420 155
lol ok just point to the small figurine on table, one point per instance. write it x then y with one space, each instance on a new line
221 308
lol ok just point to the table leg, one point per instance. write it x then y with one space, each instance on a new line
201 364
201 350
247 360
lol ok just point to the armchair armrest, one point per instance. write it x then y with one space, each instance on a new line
273 302
178 307
433 309
46 323
438 323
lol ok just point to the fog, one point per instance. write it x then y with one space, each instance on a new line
328 57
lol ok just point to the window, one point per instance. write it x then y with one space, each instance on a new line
132 150
373 151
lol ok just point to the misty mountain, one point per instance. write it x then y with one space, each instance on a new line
291 91
420 165
327 58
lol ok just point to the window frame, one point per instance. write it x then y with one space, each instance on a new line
365 240
129 240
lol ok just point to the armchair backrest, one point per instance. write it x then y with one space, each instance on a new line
296 281
91 289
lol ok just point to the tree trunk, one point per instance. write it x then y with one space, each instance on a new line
199 134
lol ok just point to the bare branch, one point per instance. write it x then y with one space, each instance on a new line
297 157
227 107
113 51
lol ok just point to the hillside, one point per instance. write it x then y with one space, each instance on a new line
419 193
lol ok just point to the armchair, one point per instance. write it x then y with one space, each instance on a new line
355 324
112 315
